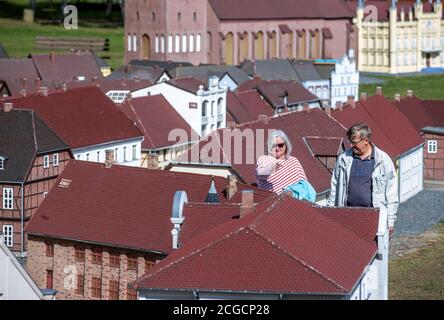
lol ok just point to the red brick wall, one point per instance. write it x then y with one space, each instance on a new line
39 181
434 162
63 262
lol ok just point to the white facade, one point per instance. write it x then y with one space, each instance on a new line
411 173
204 111
344 80
127 152
15 282
320 88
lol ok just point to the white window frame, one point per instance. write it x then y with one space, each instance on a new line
156 44
8 198
46 161
170 43
98 156
191 45
134 42
184 43
87 156
177 44
2 163
124 154
432 146
134 151
198 43
55 160
116 153
162 44
130 43
45 194
8 235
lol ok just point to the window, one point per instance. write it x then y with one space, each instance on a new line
96 287
96 257
45 194
134 42
134 152
219 124
2 163
131 294
432 146
132 263
80 289
124 154
8 234
177 44
194 16
219 105
87 157
55 160
184 43
153 16
114 260
191 48
46 162
162 43
204 129
130 47
98 156
179 16
79 254
156 44
8 195
204 108
137 15
116 150
49 249
198 43
212 108
170 43
113 290
49 279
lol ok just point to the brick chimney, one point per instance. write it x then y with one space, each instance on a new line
263 118
63 86
8 106
351 101
247 205
364 96
109 158
232 186
397 97
379 91
152 161
338 105
43 91
410 93
306 106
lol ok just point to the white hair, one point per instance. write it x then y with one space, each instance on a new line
279 134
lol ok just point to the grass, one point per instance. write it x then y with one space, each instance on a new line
18 37
424 86
419 275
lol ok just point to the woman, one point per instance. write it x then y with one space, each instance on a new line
278 170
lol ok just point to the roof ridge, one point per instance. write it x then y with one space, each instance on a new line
298 260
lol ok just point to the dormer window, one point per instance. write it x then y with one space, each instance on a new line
2 162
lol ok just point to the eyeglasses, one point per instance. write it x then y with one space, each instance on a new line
355 143
279 145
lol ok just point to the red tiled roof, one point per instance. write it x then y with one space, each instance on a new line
107 85
296 125
81 117
291 247
188 84
31 86
235 109
415 111
435 109
122 206
66 67
392 131
287 9
273 92
254 104
15 69
321 146
155 118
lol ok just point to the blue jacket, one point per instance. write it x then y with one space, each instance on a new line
302 190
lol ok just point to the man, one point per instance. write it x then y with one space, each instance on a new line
365 176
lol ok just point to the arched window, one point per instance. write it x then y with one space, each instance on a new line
156 44
184 43
219 105
170 43
177 43
130 44
179 16
198 43
162 43
194 16
134 42
191 48
204 108
153 15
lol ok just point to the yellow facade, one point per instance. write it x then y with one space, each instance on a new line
409 44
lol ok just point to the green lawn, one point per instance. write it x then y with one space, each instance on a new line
424 86
419 275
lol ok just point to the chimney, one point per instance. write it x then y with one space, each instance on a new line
338 105
94 80
327 109
263 118
63 86
410 93
152 161
52 56
397 97
232 186
379 91
351 101
109 158
306 106
247 205
23 92
43 91
8 106
364 96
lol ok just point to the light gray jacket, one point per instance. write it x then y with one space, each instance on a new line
385 183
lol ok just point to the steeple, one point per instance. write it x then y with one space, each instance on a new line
212 196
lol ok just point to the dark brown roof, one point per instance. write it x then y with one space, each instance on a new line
155 118
189 84
14 69
23 136
285 9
